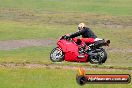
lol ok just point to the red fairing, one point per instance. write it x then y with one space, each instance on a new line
79 50
71 51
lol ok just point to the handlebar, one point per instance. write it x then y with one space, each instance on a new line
68 39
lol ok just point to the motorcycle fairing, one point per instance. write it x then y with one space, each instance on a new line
71 51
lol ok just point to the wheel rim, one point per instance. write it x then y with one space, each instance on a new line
98 58
101 54
95 60
56 54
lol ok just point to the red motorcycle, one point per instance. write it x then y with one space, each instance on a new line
75 50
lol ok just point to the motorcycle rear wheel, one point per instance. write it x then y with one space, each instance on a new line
56 55
100 58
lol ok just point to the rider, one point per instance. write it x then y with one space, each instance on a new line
88 36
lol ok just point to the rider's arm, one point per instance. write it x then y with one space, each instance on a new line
81 32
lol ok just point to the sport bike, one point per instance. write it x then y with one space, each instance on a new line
75 50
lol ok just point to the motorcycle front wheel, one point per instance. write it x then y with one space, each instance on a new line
56 55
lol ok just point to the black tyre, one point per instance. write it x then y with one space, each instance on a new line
56 55
81 80
99 58
104 57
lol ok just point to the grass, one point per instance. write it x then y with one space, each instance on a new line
119 54
43 19
14 30
113 7
11 31
41 55
30 54
50 78
30 17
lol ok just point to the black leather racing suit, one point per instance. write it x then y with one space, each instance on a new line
85 32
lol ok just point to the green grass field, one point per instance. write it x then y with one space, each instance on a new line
119 50
113 7
44 19
50 78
